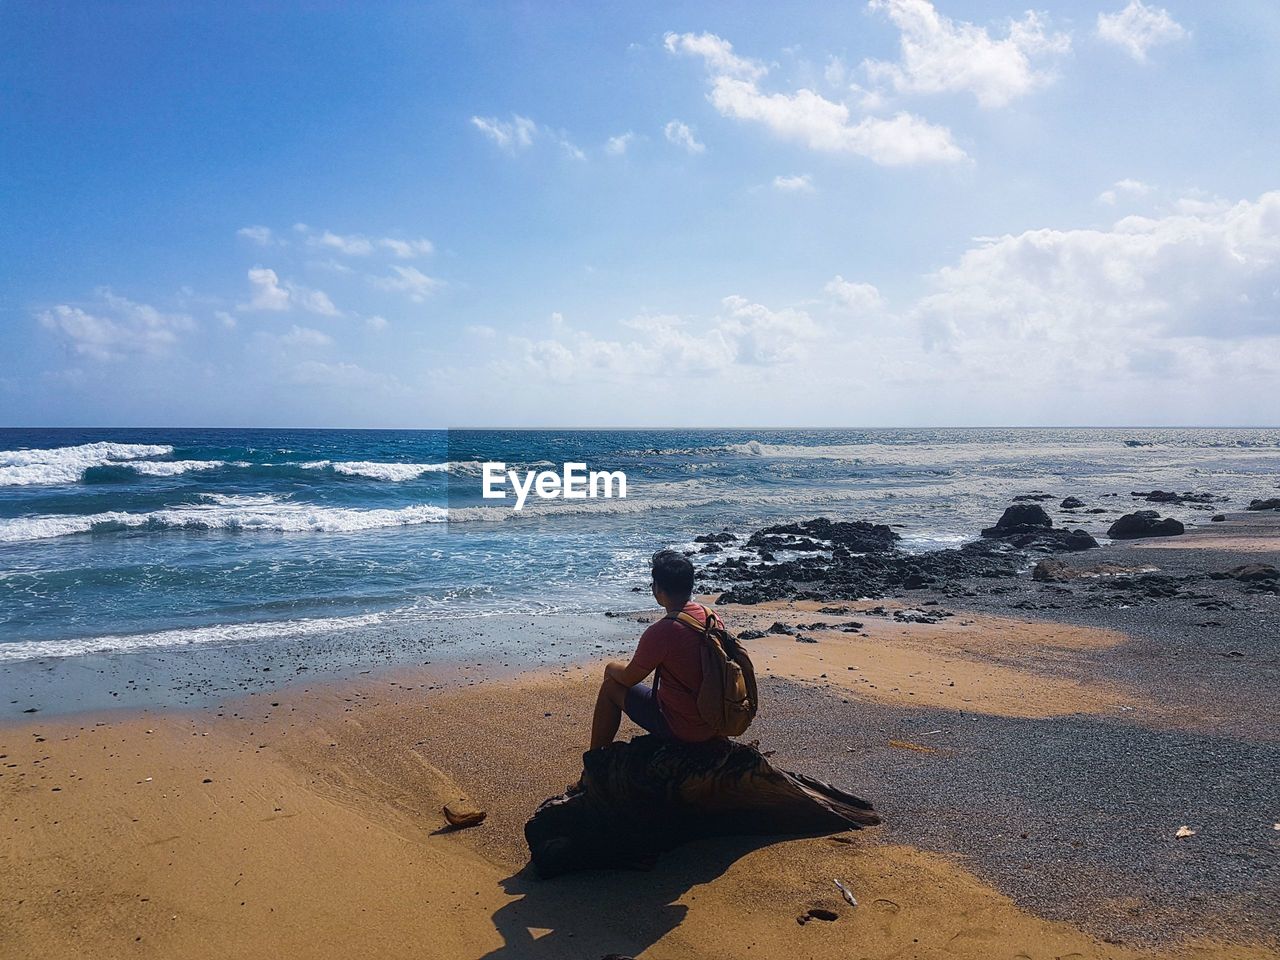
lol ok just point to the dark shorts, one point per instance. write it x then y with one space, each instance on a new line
641 705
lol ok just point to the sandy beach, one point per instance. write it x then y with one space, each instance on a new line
305 819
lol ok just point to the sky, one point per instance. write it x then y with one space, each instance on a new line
885 213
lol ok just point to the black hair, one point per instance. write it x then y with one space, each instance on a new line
673 574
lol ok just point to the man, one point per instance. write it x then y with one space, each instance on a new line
670 649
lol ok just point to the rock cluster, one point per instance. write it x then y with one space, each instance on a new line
841 559
1144 523
1027 527
1168 496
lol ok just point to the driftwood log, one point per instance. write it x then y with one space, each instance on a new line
640 798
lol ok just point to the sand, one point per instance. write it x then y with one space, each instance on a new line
1239 533
307 823
969 661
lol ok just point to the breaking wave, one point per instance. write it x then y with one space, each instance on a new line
377 471
182 637
230 513
19 468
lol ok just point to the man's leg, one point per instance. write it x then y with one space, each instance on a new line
608 715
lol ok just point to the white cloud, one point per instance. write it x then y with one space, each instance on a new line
824 125
765 337
267 292
407 249
260 235
313 301
1211 275
376 323
270 294
519 132
481 330
412 282
617 146
1137 28
744 334
513 135
800 183
318 373
226 319
680 134
361 245
305 337
353 245
568 146
859 298
810 118
717 52
1125 187
119 329
941 55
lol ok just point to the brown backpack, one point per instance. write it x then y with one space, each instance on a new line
727 698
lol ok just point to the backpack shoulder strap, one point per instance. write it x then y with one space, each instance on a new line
692 622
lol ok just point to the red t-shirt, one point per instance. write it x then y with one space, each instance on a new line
674 650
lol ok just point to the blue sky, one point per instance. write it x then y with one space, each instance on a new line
887 213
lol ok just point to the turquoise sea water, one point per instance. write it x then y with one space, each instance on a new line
129 539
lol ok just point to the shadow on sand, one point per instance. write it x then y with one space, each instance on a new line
596 913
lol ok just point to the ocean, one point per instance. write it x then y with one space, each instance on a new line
144 539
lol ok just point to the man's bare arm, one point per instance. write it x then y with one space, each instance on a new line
627 674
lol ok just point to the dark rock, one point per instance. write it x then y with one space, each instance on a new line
1017 519
1071 503
1037 497
1168 496
801 638
1270 504
856 536
751 634
1218 517
1049 571
780 627
711 548
715 538
1044 539
921 616
1249 573
1144 523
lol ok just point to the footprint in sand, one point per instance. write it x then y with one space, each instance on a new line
886 912
967 940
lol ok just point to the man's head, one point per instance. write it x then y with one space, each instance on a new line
672 578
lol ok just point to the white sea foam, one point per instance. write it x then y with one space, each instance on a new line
68 464
377 471
224 512
171 468
182 637
791 451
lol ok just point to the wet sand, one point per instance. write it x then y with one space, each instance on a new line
1248 533
965 661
